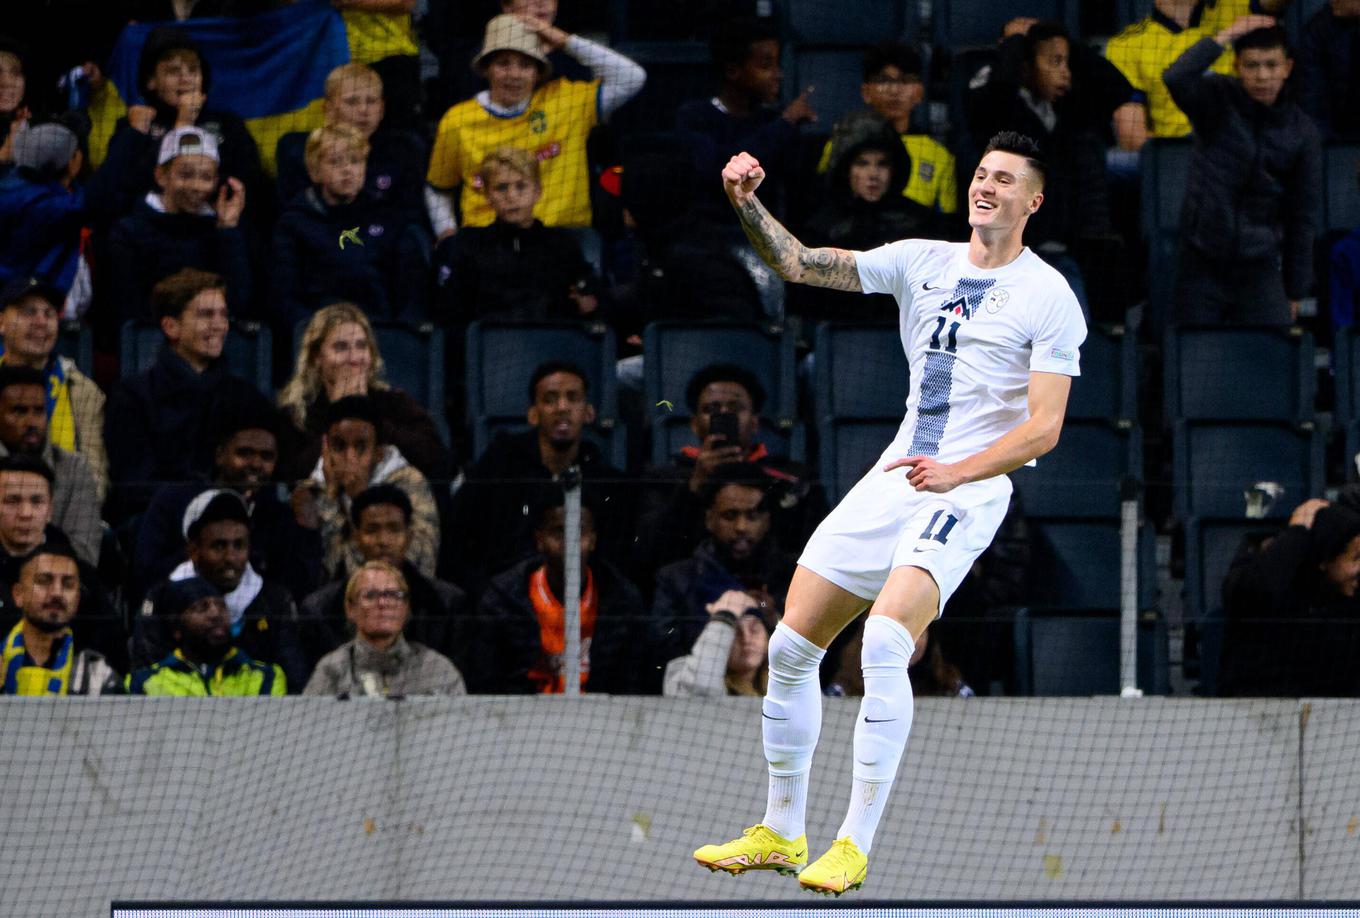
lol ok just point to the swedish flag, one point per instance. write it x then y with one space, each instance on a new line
270 69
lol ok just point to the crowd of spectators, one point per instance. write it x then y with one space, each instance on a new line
174 530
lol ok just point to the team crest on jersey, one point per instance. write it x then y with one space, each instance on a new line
959 307
538 121
996 301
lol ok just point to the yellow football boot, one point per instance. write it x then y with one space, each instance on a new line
841 869
759 848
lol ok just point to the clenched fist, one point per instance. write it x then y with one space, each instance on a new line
741 177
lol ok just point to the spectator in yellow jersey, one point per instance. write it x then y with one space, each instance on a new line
1147 47
522 108
381 35
892 89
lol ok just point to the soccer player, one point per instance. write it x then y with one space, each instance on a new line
992 335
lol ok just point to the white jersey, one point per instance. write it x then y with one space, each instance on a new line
972 336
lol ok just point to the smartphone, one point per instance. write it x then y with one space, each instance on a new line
726 426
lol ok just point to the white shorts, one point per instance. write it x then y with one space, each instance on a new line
885 523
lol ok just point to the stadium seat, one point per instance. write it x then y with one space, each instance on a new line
970 23
860 371
248 351
1341 163
414 358
848 449
1076 652
76 341
675 351
1077 563
1346 372
1108 386
1210 546
867 22
502 357
1217 462
1082 477
1164 164
1238 372
837 75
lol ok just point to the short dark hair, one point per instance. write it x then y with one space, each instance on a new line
731 43
891 54
356 408
1020 145
1042 31
57 547
251 414
172 295
17 462
551 498
387 495
16 375
741 474
725 372
1266 39
548 368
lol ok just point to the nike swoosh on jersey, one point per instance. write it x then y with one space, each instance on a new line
885 720
768 717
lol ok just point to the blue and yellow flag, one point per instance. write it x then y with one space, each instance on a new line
270 69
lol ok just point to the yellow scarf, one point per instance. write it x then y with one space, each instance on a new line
23 676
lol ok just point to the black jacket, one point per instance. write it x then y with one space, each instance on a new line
269 633
439 617
506 643
685 588
505 272
156 426
492 511
148 245
312 269
1327 71
1255 184
394 173
1285 634
1076 195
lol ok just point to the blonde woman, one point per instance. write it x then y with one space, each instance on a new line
339 357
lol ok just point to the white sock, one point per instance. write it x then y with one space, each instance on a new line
791 721
882 727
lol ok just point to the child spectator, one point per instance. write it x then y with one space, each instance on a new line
75 404
516 268
191 222
1249 218
382 37
892 89
174 81
394 173
339 356
742 115
523 108
334 242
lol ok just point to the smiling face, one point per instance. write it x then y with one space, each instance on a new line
536 9
1342 573
178 74
188 183
200 331
220 552
1004 192
247 460
29 329
345 352
511 77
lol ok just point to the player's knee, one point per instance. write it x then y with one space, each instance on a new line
887 645
793 658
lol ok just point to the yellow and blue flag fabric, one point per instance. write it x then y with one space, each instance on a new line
270 69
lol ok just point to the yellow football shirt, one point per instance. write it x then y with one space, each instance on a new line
553 127
1144 50
933 182
374 36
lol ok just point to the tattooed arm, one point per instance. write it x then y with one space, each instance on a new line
826 267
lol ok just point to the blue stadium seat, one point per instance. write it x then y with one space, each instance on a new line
1164 164
1081 478
860 371
1342 198
1346 372
1107 388
1077 563
675 351
1239 372
76 341
248 351
1215 462
1076 652
502 357
848 449
837 75
867 22
1210 546
414 358
969 23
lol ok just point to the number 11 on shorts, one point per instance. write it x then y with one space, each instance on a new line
931 533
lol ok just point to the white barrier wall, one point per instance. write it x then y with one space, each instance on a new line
605 798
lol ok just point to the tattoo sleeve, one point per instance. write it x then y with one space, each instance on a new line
834 268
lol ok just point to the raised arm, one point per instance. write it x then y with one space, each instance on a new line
826 267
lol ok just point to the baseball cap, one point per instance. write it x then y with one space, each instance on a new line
213 506
188 141
45 147
20 287
509 33
181 594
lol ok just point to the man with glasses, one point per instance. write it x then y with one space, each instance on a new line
379 662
